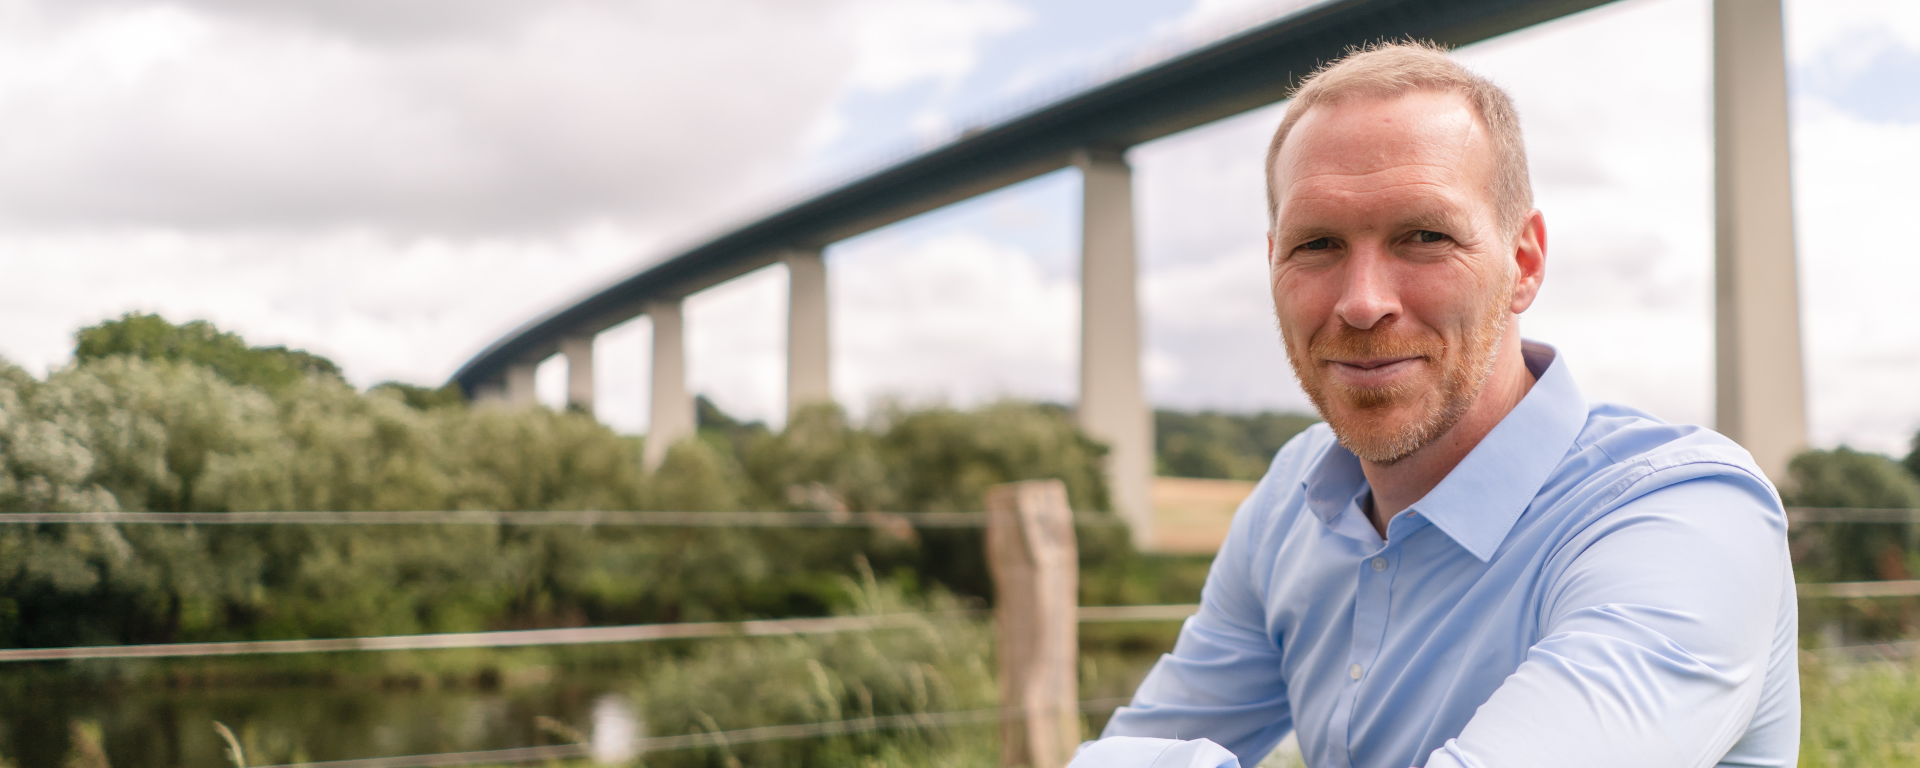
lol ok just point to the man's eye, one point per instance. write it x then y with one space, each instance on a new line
1318 245
1428 236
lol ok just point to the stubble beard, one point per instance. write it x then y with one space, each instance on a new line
1367 425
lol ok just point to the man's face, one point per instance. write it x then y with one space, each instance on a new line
1392 280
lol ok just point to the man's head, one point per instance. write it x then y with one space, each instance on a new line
1402 242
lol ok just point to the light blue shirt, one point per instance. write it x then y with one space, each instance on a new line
1589 587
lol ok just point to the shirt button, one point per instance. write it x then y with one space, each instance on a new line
1354 671
1379 564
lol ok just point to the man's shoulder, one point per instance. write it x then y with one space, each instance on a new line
1635 453
1278 491
1300 452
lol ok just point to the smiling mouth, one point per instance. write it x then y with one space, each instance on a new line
1374 363
1372 372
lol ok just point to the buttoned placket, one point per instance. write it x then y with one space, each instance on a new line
1372 606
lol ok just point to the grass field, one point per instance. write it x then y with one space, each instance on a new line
1860 716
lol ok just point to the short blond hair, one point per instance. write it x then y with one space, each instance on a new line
1398 68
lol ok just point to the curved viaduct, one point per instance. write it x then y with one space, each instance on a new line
1758 377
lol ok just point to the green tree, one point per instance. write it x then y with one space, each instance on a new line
1221 445
422 398
1912 462
179 418
151 337
1847 478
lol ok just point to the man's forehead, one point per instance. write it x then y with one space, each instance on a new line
1365 134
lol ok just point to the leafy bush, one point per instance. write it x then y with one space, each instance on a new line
1221 445
151 337
169 418
1854 551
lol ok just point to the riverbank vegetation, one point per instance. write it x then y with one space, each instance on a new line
161 417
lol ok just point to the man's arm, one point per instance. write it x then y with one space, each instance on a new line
1223 680
1656 639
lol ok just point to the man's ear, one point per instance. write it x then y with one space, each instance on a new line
1529 260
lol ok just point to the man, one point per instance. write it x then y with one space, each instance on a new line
1468 565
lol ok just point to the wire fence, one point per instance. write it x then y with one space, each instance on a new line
1805 515
546 518
631 633
1796 516
754 628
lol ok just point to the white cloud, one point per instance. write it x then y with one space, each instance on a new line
208 117
388 188
1848 28
905 41
1216 17
387 307
1206 308
736 345
951 317
1859 276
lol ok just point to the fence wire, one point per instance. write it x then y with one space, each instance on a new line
569 635
587 519
1804 515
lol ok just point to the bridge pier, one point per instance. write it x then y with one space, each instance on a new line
491 392
672 418
520 388
1113 408
1759 390
579 353
809 364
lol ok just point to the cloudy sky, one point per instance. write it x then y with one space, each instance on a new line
394 185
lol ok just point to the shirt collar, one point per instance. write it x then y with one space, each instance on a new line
1479 501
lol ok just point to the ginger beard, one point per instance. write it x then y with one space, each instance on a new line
1374 422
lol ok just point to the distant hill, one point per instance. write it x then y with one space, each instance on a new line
1222 445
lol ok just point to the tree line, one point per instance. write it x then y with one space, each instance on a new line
163 417
174 418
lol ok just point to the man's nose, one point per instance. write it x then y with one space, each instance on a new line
1369 294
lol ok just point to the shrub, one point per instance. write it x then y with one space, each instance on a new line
1847 478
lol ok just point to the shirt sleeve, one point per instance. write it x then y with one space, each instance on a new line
1655 641
1223 679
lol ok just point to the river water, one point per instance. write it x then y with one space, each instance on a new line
165 726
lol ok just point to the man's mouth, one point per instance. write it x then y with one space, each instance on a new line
1372 371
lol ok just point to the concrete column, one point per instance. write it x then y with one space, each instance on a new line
1760 398
520 391
493 392
809 372
1112 406
672 408
579 352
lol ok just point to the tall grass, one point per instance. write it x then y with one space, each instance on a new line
1860 716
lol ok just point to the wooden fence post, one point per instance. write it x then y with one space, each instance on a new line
1036 582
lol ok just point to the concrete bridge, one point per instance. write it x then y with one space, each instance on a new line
1759 399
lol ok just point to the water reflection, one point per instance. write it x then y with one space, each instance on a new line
617 731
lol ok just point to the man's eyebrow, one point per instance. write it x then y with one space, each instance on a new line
1432 220
1303 234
